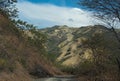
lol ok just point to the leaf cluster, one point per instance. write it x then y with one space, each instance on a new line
8 9
34 36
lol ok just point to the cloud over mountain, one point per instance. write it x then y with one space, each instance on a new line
48 15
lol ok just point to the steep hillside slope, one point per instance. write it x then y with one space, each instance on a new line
58 35
68 43
18 59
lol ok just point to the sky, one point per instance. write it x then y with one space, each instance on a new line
47 13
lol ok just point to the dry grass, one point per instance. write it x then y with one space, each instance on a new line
22 56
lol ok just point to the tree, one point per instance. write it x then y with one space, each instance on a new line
8 9
34 36
98 45
103 52
109 12
106 10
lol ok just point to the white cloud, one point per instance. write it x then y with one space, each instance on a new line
49 15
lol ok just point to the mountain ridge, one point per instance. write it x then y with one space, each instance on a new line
68 42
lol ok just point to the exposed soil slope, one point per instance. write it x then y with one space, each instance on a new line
19 60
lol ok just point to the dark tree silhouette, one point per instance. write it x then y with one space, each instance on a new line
8 9
106 10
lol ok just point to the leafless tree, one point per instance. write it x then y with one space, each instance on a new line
107 11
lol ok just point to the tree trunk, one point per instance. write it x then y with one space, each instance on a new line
116 35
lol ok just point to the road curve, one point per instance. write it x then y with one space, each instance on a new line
57 78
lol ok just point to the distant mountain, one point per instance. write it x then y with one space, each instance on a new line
67 42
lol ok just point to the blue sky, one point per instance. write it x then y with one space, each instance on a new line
65 3
47 13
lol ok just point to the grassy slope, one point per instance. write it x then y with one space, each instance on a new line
68 41
73 52
17 58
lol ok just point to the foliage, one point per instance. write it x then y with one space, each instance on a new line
106 10
8 9
20 55
109 9
34 36
103 57
99 48
5 63
109 12
29 31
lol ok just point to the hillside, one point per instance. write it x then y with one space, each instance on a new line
67 43
69 46
19 61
